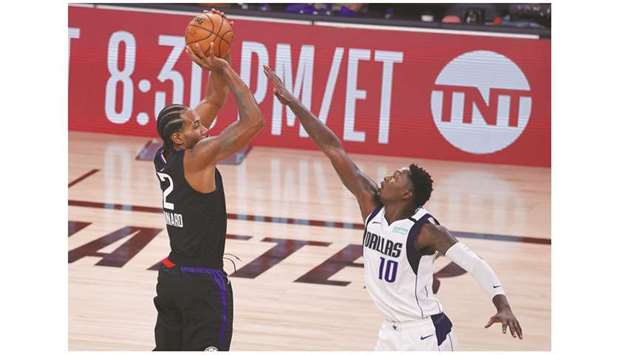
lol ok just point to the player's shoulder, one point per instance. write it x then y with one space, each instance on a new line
424 222
423 215
430 230
203 152
374 212
429 227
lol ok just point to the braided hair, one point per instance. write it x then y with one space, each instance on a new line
169 121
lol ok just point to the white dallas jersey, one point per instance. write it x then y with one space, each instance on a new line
398 278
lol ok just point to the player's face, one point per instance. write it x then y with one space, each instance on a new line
193 130
396 186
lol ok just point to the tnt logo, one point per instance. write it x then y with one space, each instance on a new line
481 102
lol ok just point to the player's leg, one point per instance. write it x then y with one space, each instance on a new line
450 343
429 334
446 340
382 339
416 336
168 328
207 313
229 325
388 338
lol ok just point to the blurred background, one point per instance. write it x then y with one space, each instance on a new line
469 15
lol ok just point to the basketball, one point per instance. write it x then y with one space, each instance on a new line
210 27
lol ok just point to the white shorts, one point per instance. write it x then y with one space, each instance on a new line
429 334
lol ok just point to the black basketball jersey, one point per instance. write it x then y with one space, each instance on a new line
196 221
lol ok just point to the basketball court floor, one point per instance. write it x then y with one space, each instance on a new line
297 232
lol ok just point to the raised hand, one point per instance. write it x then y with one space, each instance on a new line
279 90
208 61
221 13
508 320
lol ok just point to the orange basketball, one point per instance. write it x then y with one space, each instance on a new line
210 27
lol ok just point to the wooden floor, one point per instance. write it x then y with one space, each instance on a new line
502 212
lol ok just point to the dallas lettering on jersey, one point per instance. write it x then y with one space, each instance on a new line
383 246
174 219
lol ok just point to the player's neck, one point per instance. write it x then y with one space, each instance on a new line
168 151
175 149
398 210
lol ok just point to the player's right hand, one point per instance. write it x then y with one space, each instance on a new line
231 22
208 61
279 90
219 12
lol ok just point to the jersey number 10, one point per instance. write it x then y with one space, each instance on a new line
387 270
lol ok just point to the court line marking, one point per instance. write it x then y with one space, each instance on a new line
306 222
83 177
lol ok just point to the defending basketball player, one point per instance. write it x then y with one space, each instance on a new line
194 296
400 241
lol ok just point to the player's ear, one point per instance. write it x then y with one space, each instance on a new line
408 195
177 138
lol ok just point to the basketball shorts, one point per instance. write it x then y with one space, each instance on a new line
429 334
194 309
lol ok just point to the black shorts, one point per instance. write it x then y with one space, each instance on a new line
194 309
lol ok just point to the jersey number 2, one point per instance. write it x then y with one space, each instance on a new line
163 177
387 270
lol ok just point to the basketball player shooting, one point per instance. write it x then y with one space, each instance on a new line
400 241
194 296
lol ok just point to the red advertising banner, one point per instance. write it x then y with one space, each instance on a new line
385 92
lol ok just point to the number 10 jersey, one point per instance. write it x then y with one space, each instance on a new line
398 277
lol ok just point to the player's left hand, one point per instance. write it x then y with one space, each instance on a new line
508 320
279 90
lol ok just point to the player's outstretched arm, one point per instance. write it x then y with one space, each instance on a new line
437 238
217 90
363 188
239 133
